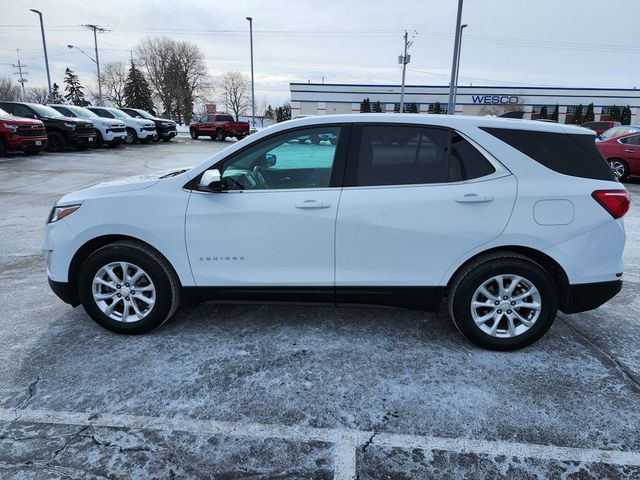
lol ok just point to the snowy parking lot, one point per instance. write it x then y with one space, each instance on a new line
240 392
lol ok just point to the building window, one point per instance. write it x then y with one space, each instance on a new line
571 109
443 108
537 108
607 110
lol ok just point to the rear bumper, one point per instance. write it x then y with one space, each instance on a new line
588 296
64 292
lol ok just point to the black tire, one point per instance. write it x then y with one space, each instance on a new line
620 168
193 133
146 141
464 286
99 139
168 139
56 142
81 148
220 136
3 150
132 137
159 271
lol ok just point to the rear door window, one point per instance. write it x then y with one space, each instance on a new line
569 154
632 140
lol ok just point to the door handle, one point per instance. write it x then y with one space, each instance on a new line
629 150
309 204
474 198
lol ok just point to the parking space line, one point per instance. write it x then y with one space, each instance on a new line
345 441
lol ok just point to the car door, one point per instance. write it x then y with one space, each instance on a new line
273 225
415 200
630 152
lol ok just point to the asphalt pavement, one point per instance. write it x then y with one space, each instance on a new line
280 392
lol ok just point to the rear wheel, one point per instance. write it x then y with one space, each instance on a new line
193 133
503 301
220 136
3 149
620 168
146 140
126 287
56 142
132 137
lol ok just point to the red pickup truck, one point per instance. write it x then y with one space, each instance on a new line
21 134
218 127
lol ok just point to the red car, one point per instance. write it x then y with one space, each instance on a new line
600 127
623 154
23 134
218 127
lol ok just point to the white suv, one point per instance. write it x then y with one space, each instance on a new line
509 220
108 132
141 130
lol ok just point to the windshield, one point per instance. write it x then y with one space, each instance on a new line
118 113
83 112
144 114
46 111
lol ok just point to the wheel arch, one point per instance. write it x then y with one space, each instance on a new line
558 274
94 244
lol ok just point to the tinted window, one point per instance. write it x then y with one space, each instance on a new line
22 111
224 118
299 159
407 155
569 154
633 140
102 113
64 111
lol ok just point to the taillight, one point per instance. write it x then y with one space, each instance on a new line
616 202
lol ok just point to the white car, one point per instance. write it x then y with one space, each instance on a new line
137 130
508 220
108 132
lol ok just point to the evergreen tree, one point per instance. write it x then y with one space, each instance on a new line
413 108
543 113
283 113
615 114
577 116
365 106
269 112
556 113
437 108
137 93
589 116
74 89
55 94
625 117
377 107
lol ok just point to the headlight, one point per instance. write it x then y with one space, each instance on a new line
58 213
11 128
72 126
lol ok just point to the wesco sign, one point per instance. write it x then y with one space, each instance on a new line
494 99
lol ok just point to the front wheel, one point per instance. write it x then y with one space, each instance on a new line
620 169
127 287
132 137
503 301
193 133
220 136
56 142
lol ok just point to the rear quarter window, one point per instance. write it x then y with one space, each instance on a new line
569 154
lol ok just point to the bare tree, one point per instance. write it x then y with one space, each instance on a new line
234 92
9 90
38 95
114 78
176 72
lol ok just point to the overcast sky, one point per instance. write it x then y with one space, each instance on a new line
508 42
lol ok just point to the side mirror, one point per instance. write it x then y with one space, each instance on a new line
270 160
210 181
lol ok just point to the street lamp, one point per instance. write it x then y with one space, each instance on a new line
455 90
97 67
44 45
253 93
454 65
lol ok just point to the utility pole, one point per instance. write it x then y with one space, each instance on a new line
22 80
404 59
44 46
454 66
253 93
455 92
97 29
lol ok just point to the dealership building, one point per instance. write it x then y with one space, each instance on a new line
336 98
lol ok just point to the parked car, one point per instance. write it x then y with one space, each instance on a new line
218 127
62 132
618 132
623 155
600 127
23 134
508 237
108 132
136 129
166 128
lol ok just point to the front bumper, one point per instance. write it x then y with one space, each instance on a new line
82 140
14 142
168 133
64 292
588 296
147 132
114 136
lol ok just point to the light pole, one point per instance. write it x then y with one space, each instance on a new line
455 90
253 93
97 66
44 45
404 59
454 66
